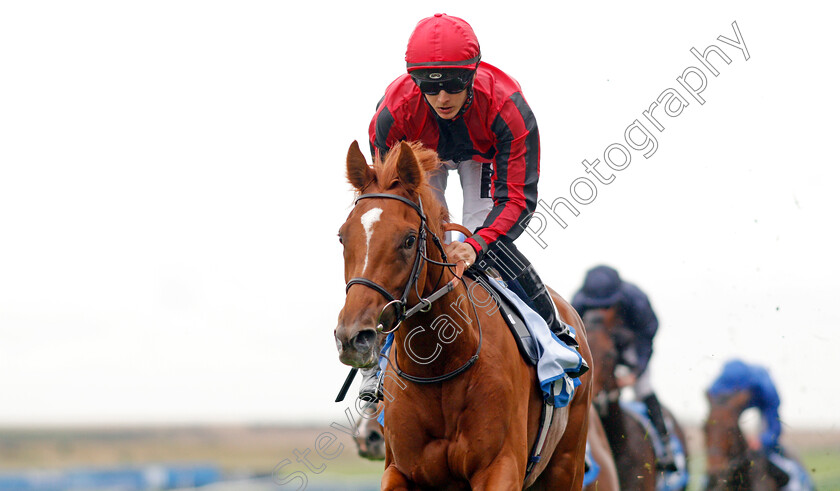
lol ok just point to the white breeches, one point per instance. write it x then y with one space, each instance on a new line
475 208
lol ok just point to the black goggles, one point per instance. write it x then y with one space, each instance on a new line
432 82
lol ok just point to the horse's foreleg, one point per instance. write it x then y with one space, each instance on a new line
502 473
394 480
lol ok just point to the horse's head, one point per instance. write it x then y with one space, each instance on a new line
599 326
369 438
726 449
383 241
608 338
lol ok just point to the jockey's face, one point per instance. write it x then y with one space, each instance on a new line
447 105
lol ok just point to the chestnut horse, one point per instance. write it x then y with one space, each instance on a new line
730 462
370 444
631 444
462 406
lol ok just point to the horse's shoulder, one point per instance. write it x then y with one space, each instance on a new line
567 312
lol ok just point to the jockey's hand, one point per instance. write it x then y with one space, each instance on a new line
624 377
753 442
459 251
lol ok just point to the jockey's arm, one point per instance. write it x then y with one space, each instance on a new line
515 175
644 351
640 317
772 431
384 131
768 401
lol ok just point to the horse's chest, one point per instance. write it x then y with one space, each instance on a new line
437 464
443 441
432 460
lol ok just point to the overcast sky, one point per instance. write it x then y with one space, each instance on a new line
172 180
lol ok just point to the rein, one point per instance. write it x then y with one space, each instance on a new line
425 304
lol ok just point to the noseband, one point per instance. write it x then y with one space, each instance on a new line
425 304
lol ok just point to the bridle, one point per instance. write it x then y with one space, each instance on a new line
425 304
400 304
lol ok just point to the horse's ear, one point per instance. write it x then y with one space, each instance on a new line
359 174
408 169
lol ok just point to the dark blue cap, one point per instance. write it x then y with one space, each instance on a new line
601 287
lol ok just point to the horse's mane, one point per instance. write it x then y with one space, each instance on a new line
387 179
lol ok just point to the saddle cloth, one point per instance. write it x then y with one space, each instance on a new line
800 480
592 469
665 481
555 360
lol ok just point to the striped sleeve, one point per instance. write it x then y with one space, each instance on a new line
515 174
383 132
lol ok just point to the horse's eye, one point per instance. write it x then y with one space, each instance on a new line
340 240
409 242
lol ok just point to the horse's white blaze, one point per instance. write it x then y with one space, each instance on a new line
368 219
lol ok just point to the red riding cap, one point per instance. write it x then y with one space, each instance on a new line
442 41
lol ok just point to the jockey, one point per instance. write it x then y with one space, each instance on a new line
604 288
476 118
737 376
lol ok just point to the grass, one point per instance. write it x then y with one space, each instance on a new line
824 466
260 448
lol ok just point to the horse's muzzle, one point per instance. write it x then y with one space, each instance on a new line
357 347
371 444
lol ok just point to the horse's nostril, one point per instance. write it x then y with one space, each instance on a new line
374 437
363 340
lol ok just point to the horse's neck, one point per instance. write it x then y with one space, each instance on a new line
747 470
442 339
741 449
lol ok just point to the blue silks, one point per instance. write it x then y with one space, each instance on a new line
593 468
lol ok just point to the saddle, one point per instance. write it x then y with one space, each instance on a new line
524 341
515 320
